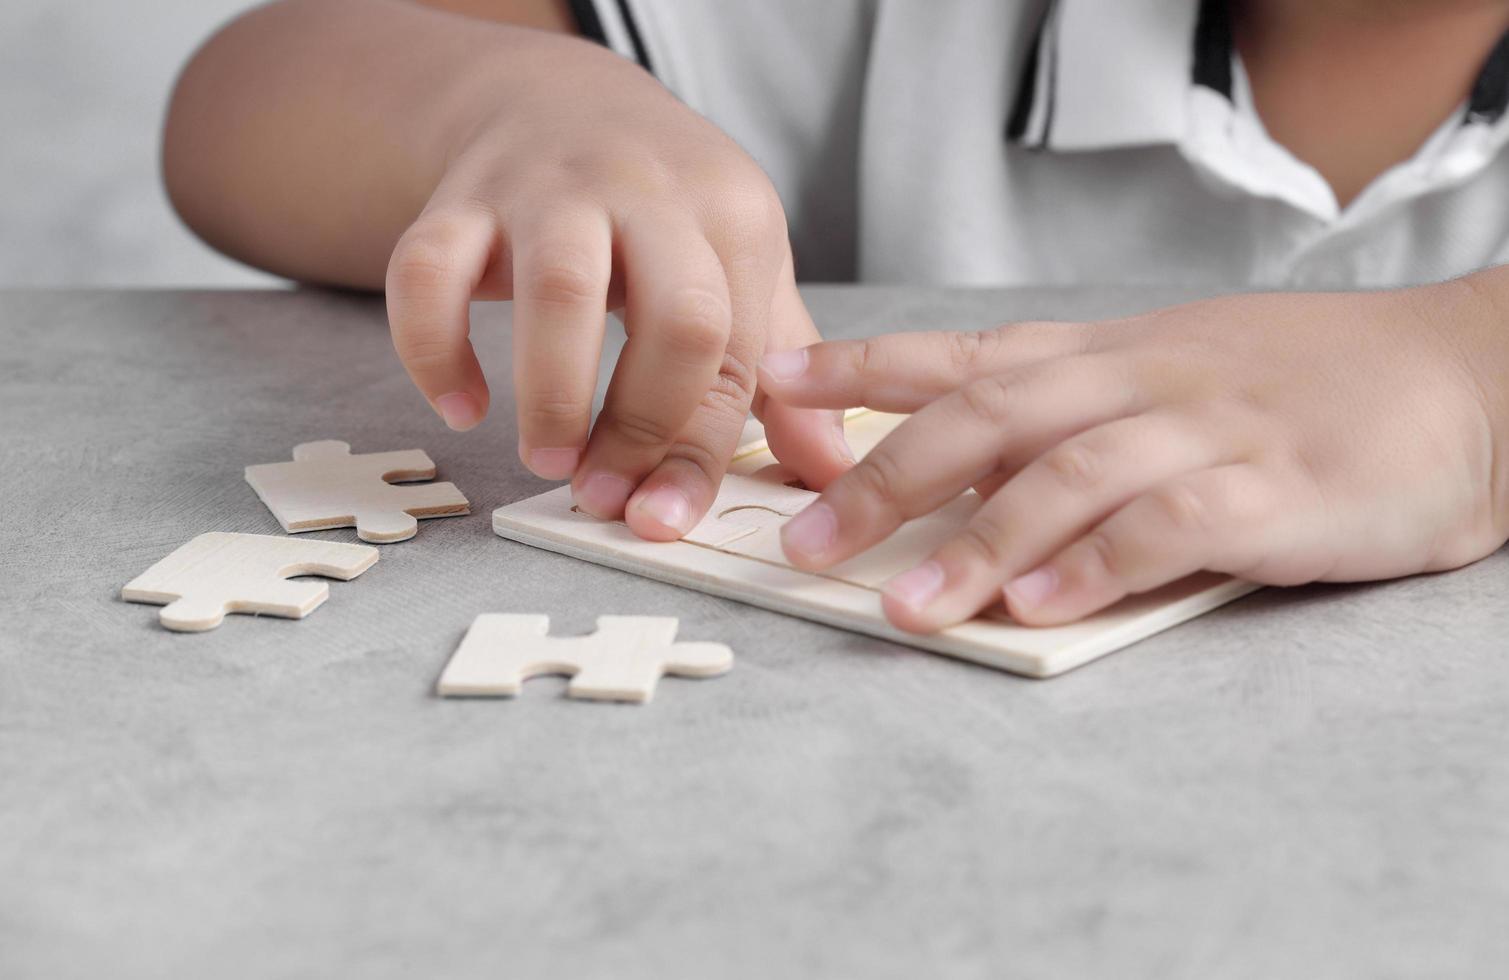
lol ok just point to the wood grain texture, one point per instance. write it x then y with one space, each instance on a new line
326 486
851 602
622 661
219 572
735 552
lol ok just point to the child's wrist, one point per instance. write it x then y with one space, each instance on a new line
1486 347
488 93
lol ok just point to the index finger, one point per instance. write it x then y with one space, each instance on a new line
901 372
434 270
951 444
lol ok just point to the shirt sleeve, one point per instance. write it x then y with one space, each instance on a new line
784 78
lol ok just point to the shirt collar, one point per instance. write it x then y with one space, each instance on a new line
1103 75
1107 75
1490 94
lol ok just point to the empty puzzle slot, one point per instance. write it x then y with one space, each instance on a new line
743 510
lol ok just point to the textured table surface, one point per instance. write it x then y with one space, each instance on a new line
1306 783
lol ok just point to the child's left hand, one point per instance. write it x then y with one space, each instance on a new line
1282 438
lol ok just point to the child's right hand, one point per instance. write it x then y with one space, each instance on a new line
591 189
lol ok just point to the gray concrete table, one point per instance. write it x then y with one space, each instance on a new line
1312 783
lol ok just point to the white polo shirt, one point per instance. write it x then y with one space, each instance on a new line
1054 142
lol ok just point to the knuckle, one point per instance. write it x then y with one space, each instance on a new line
423 353
984 539
988 399
550 410
699 456
869 357
577 166
1102 555
561 279
736 380
750 215
1183 510
696 324
640 430
1076 467
964 348
423 263
878 477
632 167
725 405
755 205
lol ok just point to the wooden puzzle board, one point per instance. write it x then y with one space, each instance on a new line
749 568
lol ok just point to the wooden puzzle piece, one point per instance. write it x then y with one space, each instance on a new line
325 486
760 511
736 553
219 572
622 661
748 512
747 506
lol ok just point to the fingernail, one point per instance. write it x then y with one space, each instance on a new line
604 495
459 409
1031 589
841 440
918 587
811 532
785 365
669 506
554 464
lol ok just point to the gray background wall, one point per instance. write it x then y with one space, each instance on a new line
83 84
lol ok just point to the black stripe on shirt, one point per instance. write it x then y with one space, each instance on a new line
1026 96
591 27
1490 94
1213 45
587 21
641 53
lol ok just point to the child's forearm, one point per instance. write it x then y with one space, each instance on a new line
305 136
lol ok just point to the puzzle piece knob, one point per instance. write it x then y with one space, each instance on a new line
386 526
192 614
321 449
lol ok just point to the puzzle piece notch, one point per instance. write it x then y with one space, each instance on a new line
622 661
745 506
220 572
721 530
326 486
748 513
306 452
